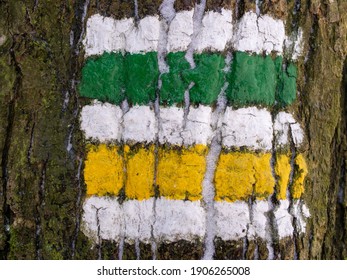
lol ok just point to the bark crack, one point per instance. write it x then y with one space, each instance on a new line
71 97
291 209
208 186
39 211
30 149
78 206
168 12
7 213
273 202
99 245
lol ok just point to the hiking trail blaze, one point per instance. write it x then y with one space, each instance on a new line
189 131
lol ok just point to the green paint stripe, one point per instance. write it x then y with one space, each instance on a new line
260 80
253 79
208 78
103 78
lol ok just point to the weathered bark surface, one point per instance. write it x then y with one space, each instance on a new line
42 151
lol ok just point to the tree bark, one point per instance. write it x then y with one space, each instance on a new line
42 148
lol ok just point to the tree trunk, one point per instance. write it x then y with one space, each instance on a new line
45 154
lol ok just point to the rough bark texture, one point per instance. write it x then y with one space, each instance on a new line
42 151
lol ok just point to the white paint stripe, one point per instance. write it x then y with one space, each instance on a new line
102 122
104 34
252 33
231 219
246 127
144 38
178 219
259 34
139 219
284 220
198 128
171 122
250 127
284 121
175 219
180 31
216 31
110 215
258 226
139 124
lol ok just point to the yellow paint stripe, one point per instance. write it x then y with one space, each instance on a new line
242 175
139 172
282 170
300 173
180 172
103 171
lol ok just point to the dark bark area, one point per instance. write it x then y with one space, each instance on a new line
321 108
41 187
42 149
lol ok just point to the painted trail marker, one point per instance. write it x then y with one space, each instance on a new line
153 123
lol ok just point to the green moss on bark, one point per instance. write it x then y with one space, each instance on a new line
118 9
228 250
180 250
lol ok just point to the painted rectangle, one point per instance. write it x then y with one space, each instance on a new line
163 220
181 172
252 79
240 176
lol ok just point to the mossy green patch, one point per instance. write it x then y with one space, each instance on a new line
103 78
7 80
19 247
228 250
131 253
180 250
142 75
118 9
148 7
